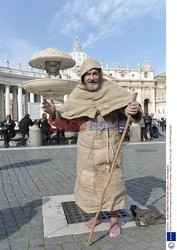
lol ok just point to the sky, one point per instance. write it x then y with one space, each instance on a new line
126 32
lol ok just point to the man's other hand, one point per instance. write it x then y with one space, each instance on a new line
49 106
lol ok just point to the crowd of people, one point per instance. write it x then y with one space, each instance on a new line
150 127
49 129
9 128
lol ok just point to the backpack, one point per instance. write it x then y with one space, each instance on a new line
149 216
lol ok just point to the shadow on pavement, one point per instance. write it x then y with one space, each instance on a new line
13 219
140 188
24 163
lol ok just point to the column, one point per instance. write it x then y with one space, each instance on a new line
41 109
26 101
38 98
41 99
65 98
15 110
20 108
31 97
2 107
7 99
152 108
139 96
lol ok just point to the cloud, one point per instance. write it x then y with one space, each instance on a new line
18 49
100 19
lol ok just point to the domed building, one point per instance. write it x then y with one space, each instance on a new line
16 101
79 57
77 54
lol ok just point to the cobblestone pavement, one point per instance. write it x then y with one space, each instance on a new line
28 174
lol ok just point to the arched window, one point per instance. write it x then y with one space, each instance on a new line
146 104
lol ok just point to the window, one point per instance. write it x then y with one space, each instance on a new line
145 75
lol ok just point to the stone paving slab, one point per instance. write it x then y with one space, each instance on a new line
55 222
29 174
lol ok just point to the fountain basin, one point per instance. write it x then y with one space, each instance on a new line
50 87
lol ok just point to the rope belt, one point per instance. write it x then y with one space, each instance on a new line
108 141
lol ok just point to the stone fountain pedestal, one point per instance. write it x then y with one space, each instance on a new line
52 61
53 86
135 132
35 138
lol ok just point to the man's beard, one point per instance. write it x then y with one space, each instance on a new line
92 87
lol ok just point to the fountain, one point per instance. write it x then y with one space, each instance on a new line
52 61
52 85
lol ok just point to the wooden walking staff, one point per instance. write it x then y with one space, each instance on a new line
111 173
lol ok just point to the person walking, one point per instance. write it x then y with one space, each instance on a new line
95 105
150 118
24 124
44 125
163 124
144 130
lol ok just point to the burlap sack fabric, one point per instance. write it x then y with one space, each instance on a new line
93 145
82 102
94 154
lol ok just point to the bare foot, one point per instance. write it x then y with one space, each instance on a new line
89 223
114 230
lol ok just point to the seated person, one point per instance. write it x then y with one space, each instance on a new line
8 130
57 129
156 133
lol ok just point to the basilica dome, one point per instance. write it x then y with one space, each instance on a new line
77 54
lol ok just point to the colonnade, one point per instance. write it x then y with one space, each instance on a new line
14 100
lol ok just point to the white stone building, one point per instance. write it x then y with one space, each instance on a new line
160 107
151 90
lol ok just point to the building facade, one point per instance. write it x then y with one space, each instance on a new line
160 83
151 90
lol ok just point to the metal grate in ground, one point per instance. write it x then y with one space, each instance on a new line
74 214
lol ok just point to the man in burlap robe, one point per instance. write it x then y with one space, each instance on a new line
102 105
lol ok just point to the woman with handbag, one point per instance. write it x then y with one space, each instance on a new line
8 130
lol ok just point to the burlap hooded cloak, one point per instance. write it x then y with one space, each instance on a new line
97 141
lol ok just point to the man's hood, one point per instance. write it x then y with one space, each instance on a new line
89 64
